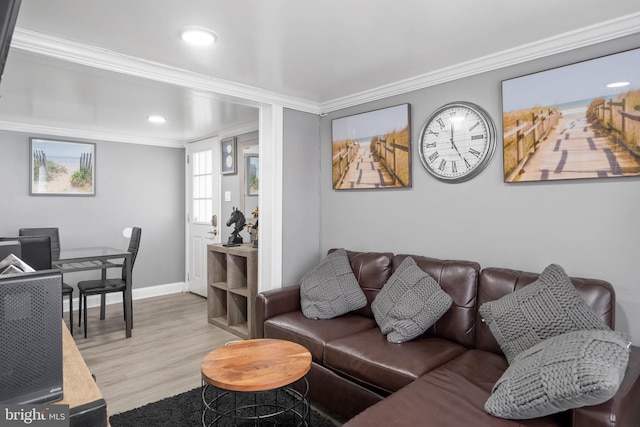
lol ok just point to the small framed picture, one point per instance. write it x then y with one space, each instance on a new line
228 156
62 168
251 171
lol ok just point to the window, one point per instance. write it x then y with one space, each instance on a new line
202 186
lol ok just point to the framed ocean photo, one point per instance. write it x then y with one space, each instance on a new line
573 122
62 168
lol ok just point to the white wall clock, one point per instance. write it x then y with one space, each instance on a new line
457 142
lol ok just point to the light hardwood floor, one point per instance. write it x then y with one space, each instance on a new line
162 358
170 338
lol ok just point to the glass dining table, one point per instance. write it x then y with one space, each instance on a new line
99 258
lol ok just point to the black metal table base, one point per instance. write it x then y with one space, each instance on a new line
284 406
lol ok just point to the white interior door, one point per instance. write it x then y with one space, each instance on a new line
203 209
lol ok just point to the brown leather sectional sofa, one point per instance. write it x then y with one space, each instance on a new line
442 378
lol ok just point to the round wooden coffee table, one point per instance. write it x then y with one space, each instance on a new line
254 380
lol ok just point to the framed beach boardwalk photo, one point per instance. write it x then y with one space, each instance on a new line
372 150
574 122
62 168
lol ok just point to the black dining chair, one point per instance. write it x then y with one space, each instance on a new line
102 287
54 235
36 250
10 247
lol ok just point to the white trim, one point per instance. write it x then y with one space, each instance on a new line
270 203
598 33
96 57
138 294
187 213
86 134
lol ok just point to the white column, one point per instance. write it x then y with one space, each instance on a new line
270 204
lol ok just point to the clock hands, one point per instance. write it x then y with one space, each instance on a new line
451 123
453 143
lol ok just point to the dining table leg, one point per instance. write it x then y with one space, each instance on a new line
103 297
128 300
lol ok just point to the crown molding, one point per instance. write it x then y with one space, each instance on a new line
86 134
67 50
239 130
232 131
587 36
91 56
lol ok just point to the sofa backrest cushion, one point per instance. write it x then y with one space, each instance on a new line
459 279
372 270
330 289
498 282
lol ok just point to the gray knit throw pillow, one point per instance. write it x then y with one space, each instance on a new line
571 370
548 307
409 303
331 289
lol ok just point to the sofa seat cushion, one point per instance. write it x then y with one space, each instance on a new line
368 358
452 395
314 334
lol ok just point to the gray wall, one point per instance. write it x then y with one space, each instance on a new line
590 227
233 183
301 195
136 185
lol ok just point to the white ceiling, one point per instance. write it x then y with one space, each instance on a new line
97 69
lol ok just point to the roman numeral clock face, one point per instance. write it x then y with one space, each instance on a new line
457 142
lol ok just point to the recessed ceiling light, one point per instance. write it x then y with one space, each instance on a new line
198 36
156 119
618 84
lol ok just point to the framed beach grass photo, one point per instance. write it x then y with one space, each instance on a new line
372 150
252 171
62 168
573 122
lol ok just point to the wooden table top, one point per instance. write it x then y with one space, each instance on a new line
256 365
78 384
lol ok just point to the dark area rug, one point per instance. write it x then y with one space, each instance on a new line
185 410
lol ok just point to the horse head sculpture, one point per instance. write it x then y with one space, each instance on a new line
237 218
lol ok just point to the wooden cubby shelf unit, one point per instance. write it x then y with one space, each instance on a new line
232 283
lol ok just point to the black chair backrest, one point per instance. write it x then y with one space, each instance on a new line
9 247
52 232
36 250
134 245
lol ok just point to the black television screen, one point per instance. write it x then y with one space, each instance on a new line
8 17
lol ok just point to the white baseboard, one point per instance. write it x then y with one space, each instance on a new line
138 294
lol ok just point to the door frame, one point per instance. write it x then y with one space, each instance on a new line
270 128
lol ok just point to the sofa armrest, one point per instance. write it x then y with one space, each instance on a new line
623 409
273 302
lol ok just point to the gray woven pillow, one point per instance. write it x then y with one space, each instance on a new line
331 289
548 307
571 370
409 303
